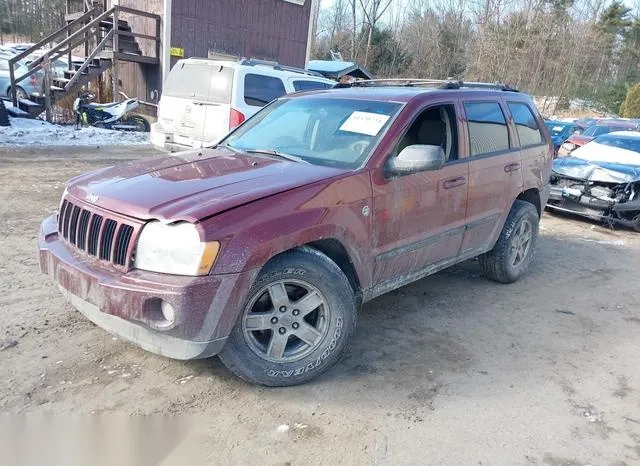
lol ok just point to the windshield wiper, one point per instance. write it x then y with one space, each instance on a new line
277 153
227 146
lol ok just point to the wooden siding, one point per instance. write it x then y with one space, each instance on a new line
267 29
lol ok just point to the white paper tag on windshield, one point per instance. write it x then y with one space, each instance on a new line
558 128
364 123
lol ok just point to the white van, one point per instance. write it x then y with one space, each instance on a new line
203 99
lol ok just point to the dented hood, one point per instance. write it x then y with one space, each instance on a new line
600 163
188 186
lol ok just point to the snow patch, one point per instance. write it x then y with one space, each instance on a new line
40 133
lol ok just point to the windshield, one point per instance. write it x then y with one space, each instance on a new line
632 144
597 130
555 128
318 130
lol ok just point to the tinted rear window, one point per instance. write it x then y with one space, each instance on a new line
487 128
259 90
200 81
309 85
526 125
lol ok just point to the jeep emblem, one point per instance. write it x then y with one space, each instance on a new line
92 198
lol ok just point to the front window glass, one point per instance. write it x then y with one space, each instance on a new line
322 131
487 128
259 90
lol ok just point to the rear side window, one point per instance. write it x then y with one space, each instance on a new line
526 124
309 85
200 81
259 90
487 128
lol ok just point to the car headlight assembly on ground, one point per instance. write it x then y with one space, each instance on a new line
174 249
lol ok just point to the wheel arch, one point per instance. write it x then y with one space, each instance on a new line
336 251
532 196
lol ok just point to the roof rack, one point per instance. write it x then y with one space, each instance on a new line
438 83
277 66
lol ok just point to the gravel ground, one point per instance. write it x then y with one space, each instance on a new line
452 369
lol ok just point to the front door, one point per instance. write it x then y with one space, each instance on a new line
495 172
419 219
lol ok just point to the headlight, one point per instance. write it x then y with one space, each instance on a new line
568 146
174 249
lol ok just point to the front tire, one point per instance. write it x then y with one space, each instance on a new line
299 316
512 254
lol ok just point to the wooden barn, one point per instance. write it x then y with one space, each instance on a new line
139 40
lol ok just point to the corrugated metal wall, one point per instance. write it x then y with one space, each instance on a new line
267 29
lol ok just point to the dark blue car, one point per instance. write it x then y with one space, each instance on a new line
561 130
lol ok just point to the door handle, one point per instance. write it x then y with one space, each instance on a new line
453 182
511 167
202 102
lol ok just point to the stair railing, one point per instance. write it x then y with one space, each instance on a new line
36 65
90 28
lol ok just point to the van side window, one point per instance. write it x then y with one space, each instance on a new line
488 131
259 90
300 85
436 126
526 124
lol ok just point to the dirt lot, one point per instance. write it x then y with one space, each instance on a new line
450 370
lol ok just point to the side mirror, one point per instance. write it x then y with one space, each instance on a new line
416 158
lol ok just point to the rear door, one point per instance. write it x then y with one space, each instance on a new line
534 146
495 172
195 103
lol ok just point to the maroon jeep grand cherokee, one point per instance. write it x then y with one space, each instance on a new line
260 250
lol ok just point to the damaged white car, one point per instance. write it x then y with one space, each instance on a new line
600 180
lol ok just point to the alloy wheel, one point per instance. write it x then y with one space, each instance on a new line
286 320
520 243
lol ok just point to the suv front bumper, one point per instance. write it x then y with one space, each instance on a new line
127 304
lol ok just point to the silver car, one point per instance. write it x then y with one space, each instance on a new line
25 87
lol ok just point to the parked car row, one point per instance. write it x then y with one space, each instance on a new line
569 135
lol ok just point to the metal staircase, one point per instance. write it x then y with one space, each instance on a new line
100 37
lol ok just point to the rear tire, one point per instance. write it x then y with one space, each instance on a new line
512 254
141 124
20 93
280 339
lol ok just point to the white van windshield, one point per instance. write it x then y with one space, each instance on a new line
201 81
